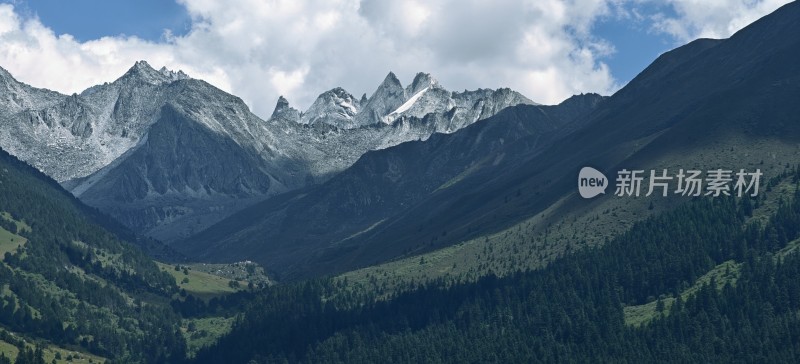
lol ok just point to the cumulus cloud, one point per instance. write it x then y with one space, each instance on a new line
694 19
259 50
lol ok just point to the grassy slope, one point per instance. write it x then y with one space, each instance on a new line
207 281
202 332
246 272
9 242
724 273
50 351
571 223
201 285
76 272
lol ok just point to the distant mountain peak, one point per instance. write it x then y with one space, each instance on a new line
112 129
174 76
389 95
391 80
6 79
281 106
336 107
421 81
142 71
141 66
5 74
282 102
339 92
284 111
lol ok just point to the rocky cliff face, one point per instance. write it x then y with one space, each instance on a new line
168 155
391 102
181 177
73 136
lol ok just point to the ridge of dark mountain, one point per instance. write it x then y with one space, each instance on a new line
714 109
99 143
152 247
706 282
379 186
721 100
69 281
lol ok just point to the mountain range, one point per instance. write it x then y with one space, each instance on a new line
412 225
706 105
352 182
310 229
168 155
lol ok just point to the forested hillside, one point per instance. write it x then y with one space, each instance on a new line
67 281
575 308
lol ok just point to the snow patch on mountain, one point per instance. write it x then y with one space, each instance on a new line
407 105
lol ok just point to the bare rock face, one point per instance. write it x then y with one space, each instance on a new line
73 136
180 176
285 112
169 155
336 107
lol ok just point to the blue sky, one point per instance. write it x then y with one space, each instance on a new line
546 49
92 19
635 43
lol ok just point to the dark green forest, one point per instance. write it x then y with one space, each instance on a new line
570 311
75 283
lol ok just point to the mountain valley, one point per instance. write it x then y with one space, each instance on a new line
156 219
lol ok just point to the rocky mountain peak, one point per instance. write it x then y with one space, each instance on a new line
337 92
421 81
143 72
284 111
282 104
5 74
390 79
172 75
335 107
16 96
388 97
6 79
95 142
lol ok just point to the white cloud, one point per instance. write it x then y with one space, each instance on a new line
713 18
259 50
36 55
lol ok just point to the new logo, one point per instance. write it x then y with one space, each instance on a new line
591 182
